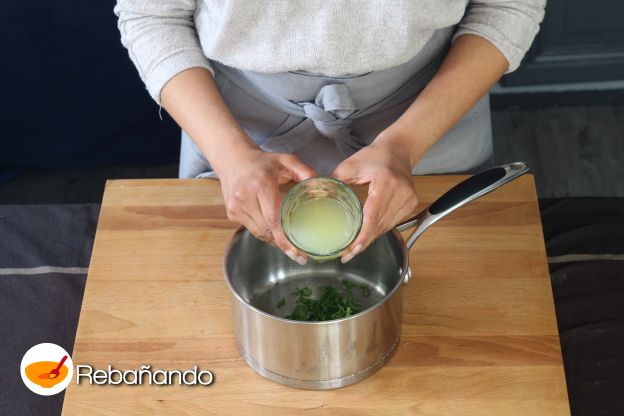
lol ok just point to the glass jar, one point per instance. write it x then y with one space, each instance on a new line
321 217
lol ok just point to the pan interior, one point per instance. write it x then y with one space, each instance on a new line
262 275
269 299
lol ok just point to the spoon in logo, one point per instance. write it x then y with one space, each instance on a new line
54 373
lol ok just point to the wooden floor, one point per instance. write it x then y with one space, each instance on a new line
573 151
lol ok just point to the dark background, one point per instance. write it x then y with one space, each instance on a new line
71 97
73 113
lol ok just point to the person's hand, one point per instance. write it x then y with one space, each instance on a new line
250 187
391 194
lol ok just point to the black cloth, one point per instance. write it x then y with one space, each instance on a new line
38 307
585 244
590 310
47 235
583 225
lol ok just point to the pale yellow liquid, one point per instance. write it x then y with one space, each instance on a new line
321 226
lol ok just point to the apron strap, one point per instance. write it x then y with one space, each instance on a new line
330 110
333 110
329 115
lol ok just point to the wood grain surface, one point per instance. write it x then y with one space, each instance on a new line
479 331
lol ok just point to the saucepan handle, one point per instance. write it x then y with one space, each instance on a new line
472 188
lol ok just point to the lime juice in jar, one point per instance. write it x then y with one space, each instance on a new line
321 217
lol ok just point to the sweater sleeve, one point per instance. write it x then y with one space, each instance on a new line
161 39
510 25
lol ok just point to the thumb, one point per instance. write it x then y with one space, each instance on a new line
298 170
348 173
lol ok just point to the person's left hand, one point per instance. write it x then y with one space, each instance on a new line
387 170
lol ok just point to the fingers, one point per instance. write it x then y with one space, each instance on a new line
269 200
252 218
253 199
407 201
352 174
245 210
260 231
349 173
408 204
373 220
296 169
388 203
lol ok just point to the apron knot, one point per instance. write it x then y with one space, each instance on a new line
330 111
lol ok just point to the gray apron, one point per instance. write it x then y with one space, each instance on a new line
324 120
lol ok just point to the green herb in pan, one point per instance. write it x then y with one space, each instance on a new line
365 290
331 304
281 302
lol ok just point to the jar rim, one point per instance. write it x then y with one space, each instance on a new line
352 195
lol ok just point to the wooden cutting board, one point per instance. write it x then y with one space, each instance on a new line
479 331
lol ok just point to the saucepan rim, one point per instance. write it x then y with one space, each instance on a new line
396 287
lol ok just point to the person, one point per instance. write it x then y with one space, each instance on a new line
369 92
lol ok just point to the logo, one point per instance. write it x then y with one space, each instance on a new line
47 369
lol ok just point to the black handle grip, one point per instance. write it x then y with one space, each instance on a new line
463 190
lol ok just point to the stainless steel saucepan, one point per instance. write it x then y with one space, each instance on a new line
337 353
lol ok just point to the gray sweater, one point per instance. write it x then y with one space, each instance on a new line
331 37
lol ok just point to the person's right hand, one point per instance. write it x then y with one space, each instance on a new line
250 186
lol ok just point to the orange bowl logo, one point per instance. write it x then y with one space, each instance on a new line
47 369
